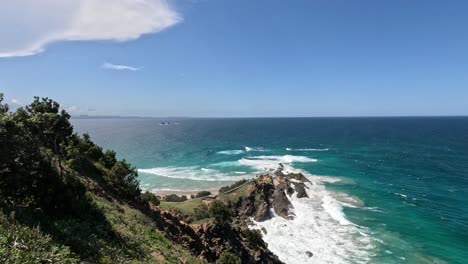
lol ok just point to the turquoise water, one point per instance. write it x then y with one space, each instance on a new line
402 181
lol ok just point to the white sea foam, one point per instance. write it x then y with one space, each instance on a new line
319 226
308 149
248 149
193 173
231 152
271 162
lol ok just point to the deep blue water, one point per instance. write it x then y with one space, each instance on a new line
409 176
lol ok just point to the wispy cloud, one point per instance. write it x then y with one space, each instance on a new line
111 66
72 108
46 21
16 102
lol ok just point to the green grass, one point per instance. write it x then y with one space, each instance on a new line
187 207
184 207
235 195
133 226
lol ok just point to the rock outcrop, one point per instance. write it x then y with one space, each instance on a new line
215 239
266 196
272 193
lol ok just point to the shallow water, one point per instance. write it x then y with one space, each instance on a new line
385 190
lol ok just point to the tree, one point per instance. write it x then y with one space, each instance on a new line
148 197
124 177
3 107
203 194
220 212
200 212
51 126
109 158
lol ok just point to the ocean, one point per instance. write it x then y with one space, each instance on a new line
384 190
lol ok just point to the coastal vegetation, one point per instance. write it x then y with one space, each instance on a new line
64 199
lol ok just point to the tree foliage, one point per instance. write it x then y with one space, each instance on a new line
150 198
42 163
37 143
220 212
203 194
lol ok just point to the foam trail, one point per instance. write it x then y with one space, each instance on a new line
194 173
308 149
248 149
231 152
267 163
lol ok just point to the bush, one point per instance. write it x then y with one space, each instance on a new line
148 197
175 198
124 178
231 187
220 212
203 194
200 212
254 237
22 244
228 258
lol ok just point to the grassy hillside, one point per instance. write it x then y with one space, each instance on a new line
65 200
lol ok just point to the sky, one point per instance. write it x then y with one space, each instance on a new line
237 58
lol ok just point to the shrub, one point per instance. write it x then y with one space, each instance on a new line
228 258
203 194
200 212
254 237
148 197
22 244
220 212
175 198
124 178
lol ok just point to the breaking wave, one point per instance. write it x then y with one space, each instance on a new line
320 226
308 149
194 173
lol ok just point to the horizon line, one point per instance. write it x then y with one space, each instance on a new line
251 117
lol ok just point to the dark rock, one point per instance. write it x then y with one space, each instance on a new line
263 212
300 189
298 176
309 254
281 204
279 171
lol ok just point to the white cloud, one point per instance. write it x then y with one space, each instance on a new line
27 26
72 108
16 102
111 66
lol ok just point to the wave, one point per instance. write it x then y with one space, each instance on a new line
248 149
320 226
271 162
240 151
193 173
308 149
231 152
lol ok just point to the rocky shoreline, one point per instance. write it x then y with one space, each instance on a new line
264 197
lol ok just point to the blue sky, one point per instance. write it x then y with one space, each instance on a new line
215 58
